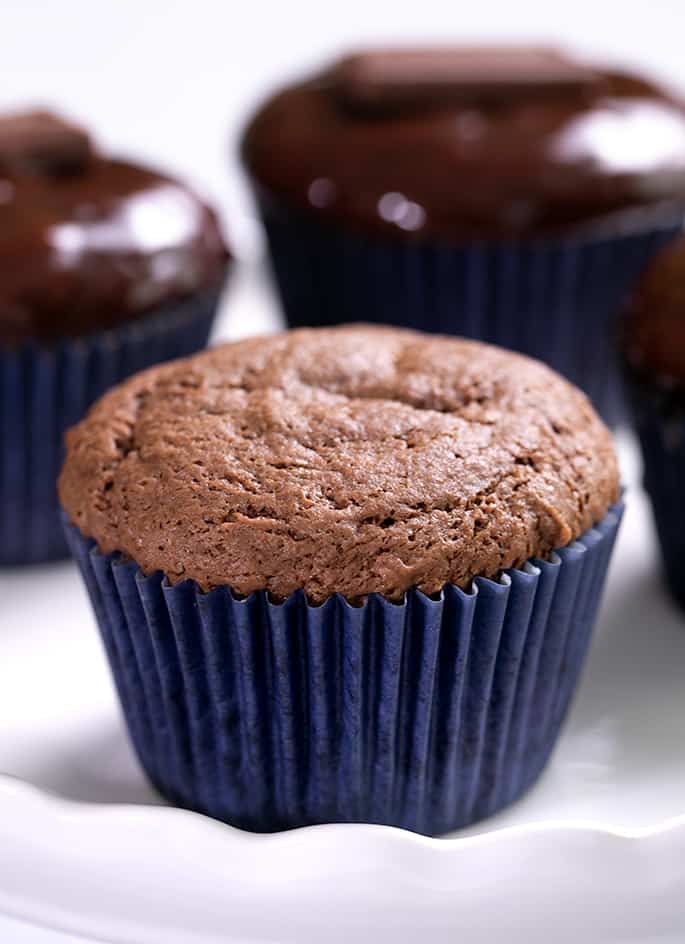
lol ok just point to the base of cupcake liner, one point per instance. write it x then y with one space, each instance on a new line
555 300
44 391
660 423
429 714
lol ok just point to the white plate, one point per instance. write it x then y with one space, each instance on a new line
595 852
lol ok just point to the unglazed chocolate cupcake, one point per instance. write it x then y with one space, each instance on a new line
654 345
105 267
508 194
326 569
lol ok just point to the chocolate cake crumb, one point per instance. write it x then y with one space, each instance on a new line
347 460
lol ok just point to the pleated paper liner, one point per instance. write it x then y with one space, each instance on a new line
659 417
429 714
554 299
44 391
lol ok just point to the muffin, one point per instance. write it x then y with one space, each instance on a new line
654 347
105 267
507 194
326 568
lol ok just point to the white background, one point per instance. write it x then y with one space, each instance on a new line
173 82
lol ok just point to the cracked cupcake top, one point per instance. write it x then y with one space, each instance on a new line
346 460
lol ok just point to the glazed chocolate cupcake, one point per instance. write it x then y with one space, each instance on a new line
325 567
105 267
507 194
654 341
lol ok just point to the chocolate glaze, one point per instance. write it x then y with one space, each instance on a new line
444 157
654 326
88 242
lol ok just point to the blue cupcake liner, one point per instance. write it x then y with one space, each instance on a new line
554 299
428 714
659 417
45 390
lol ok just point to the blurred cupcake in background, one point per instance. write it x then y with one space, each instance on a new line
509 194
654 342
105 267
344 575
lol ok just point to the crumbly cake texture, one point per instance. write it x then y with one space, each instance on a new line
346 460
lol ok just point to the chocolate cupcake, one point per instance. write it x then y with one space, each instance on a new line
654 344
508 194
105 267
326 569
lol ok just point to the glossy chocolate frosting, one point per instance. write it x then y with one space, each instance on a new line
89 242
654 326
467 142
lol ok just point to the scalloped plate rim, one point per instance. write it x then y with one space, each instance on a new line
334 844
9 783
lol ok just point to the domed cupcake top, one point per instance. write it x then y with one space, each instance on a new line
88 242
465 142
654 325
346 460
